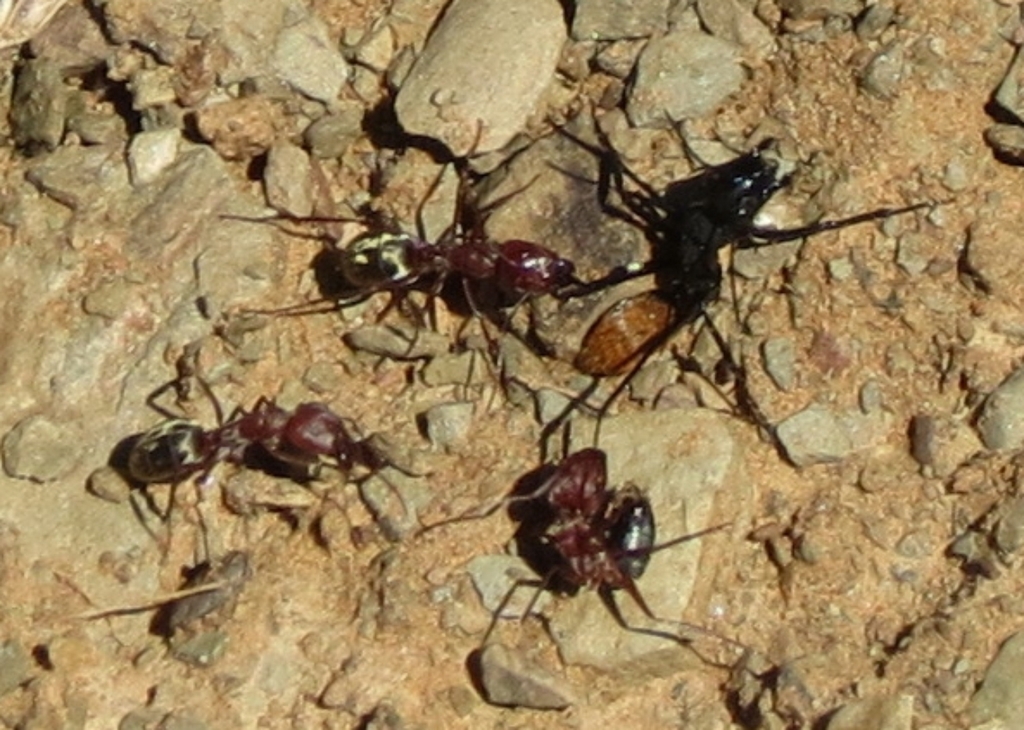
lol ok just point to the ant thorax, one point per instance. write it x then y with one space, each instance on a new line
167 452
381 260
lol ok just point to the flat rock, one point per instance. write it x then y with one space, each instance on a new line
1001 695
604 20
682 75
482 72
510 679
1001 423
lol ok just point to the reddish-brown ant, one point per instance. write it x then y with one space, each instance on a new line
293 443
387 260
586 535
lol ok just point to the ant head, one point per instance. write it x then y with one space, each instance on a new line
167 453
378 260
749 182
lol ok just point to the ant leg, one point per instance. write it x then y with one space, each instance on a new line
744 399
768 236
539 584
605 594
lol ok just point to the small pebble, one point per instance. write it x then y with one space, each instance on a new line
150 153
448 423
202 650
396 344
108 484
814 435
509 679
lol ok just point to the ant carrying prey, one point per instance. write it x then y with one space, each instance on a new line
687 225
579 533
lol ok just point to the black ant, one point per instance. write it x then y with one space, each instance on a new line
580 533
687 225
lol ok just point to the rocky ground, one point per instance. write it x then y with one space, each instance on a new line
865 576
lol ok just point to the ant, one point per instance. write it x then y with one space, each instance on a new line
294 443
384 259
582 534
687 224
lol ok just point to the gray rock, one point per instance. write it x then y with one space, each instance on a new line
374 50
691 471
41 449
202 650
815 435
448 423
617 59
989 256
462 368
150 153
885 72
183 201
496 576
941 444
75 176
874 20
39 104
397 344
820 9
1010 93
330 135
475 50
288 180
102 127
1009 533
152 88
511 680
1001 695
324 377
232 572
309 62
682 75
1001 423
605 20
734 21
72 40
15 666
1007 141
395 501
780 361
912 253
110 299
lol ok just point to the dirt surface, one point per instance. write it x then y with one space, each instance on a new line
837 576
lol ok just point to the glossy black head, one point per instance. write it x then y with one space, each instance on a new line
632 533
715 206
167 453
